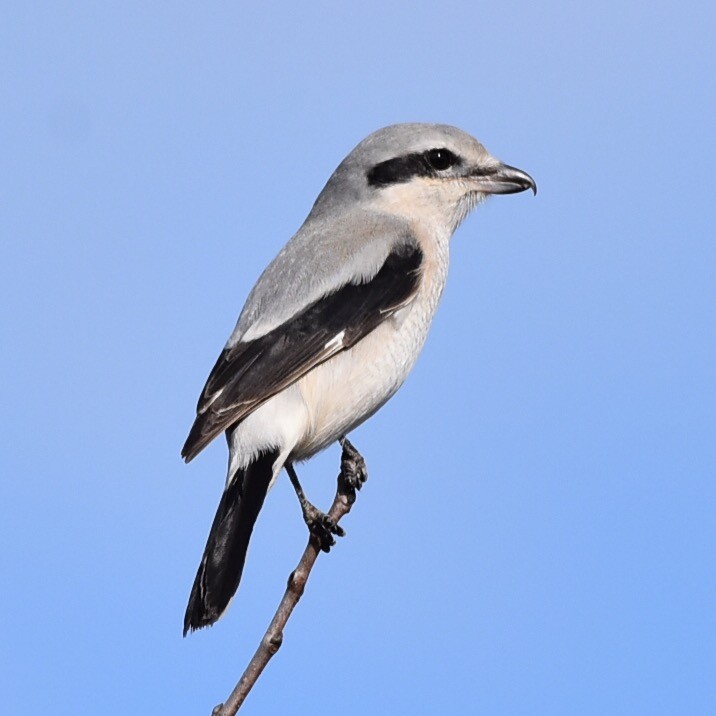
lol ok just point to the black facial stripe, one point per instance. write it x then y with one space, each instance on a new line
398 170
403 169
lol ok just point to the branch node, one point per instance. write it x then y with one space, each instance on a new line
273 643
297 580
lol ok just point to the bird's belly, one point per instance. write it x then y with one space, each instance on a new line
347 389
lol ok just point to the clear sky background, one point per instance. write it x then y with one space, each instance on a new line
538 532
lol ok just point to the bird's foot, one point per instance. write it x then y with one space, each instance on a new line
353 470
321 526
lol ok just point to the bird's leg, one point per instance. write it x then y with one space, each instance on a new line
320 525
353 469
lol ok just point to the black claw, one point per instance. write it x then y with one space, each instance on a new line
353 469
322 527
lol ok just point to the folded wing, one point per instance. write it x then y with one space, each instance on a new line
249 373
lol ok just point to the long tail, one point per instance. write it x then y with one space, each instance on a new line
219 573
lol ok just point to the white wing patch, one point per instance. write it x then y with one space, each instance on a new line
212 399
335 342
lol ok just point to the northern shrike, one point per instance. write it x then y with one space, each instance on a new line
333 327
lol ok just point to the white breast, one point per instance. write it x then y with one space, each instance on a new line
346 390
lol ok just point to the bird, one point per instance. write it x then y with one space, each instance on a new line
332 328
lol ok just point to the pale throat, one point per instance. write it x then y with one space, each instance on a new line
432 206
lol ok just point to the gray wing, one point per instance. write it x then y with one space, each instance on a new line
325 254
250 372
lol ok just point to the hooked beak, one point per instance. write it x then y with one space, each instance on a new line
502 179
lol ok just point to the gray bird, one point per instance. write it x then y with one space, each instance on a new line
333 327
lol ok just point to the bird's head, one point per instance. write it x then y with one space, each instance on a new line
426 172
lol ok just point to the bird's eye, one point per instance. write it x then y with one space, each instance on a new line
441 159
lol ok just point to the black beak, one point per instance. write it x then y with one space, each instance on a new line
502 179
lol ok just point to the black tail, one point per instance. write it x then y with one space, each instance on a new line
221 566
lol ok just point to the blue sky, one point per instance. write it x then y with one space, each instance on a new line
537 534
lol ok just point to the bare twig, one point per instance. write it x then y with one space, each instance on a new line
351 477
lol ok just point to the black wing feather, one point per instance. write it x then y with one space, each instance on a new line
248 374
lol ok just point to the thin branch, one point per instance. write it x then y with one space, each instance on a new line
352 476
